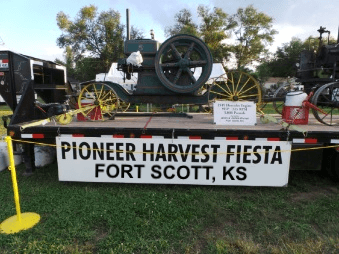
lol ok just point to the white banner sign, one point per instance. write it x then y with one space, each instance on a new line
173 161
234 113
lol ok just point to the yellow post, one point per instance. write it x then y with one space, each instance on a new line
11 167
137 108
19 221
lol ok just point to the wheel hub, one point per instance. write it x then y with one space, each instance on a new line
183 63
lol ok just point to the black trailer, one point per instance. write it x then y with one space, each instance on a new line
30 75
312 155
26 81
24 78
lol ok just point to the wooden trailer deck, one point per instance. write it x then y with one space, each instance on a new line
198 126
197 121
167 125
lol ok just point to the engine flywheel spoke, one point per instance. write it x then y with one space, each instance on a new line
175 59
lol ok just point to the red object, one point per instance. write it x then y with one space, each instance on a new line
194 137
311 140
78 135
232 138
295 115
118 136
4 60
145 136
273 139
95 114
38 135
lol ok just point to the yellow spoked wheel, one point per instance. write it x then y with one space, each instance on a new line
98 102
236 86
124 106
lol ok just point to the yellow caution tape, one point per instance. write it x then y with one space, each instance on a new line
263 152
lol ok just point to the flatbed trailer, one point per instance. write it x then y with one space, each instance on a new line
26 76
315 150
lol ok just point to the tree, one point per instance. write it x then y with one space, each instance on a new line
69 62
85 68
283 64
253 32
96 37
212 29
264 71
136 33
312 43
99 35
184 24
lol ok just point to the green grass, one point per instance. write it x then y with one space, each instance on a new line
3 131
268 108
165 108
131 218
4 108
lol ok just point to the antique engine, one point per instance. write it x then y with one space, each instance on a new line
181 65
320 67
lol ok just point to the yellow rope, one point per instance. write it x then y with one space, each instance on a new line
137 152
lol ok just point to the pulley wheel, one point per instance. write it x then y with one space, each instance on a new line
183 63
64 118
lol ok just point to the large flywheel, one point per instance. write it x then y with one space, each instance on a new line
183 63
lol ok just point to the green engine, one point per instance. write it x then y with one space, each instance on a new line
180 65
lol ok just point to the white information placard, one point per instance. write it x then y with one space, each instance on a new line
173 161
234 113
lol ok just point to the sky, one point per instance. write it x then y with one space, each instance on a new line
30 27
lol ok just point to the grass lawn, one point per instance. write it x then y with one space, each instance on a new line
131 218
4 112
4 108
